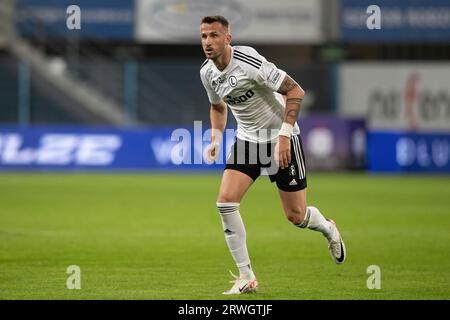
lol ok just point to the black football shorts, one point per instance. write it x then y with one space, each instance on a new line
255 159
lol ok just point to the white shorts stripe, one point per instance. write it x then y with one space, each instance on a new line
295 151
297 156
302 159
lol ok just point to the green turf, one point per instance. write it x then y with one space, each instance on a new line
159 237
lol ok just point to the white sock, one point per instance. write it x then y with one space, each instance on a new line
314 220
235 236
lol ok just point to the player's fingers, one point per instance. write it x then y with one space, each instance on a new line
286 159
211 153
283 160
279 159
208 157
215 151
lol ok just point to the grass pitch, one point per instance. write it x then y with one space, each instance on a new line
159 237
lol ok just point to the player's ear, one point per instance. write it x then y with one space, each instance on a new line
228 38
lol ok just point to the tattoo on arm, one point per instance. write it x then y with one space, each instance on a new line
287 85
292 109
293 104
294 100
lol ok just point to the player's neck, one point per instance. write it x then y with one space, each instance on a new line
223 61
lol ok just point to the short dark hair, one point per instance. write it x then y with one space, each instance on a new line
212 19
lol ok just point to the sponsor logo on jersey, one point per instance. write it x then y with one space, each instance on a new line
240 99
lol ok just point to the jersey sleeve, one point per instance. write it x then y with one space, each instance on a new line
269 75
212 95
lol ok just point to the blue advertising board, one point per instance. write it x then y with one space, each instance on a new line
328 142
97 148
408 152
401 21
333 143
100 19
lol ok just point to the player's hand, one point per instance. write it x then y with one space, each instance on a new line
212 152
283 152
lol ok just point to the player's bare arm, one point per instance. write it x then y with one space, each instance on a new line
294 97
218 116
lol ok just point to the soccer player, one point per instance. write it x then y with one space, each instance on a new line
265 102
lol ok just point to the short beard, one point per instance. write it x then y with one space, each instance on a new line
216 56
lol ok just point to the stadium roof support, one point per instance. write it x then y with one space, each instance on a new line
54 72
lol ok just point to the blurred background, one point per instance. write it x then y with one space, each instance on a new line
103 85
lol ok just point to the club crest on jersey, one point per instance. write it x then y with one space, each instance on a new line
232 81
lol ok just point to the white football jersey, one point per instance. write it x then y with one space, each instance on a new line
248 86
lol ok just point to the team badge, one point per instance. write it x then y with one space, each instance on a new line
232 81
292 170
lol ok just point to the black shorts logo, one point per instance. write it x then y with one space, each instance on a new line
292 172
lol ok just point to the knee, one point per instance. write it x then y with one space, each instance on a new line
227 197
296 215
